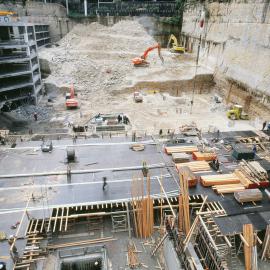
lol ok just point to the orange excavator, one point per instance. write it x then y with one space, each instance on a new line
141 61
71 102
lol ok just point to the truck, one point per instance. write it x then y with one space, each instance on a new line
138 97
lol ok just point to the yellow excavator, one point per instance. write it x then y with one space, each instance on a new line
236 113
175 46
7 13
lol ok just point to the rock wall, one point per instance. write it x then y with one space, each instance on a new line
236 44
49 13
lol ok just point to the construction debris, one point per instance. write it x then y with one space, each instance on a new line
137 147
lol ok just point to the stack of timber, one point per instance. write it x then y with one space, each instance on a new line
143 212
266 244
180 157
204 156
184 216
219 179
248 195
180 149
194 166
255 173
249 247
243 179
224 189
190 177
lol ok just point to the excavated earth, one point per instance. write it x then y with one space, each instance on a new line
98 61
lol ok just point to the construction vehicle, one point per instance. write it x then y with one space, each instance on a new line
141 61
175 46
236 113
7 13
138 97
71 102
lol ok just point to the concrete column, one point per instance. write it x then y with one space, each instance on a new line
67 7
85 8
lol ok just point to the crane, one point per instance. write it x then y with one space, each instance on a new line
71 102
141 61
175 46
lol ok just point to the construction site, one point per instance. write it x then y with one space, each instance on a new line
135 135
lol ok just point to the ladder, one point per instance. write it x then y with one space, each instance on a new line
159 244
233 257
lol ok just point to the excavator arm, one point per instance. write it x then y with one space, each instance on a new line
174 39
141 61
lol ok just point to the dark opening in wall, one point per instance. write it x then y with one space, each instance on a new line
87 264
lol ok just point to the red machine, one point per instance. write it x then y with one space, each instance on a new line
141 61
71 102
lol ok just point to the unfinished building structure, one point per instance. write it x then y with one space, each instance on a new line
20 76
158 207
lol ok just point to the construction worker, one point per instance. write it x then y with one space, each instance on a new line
264 125
35 116
104 182
119 117
254 149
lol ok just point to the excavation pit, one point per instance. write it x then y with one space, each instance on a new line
88 258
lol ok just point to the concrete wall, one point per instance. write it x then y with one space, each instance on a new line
52 14
236 44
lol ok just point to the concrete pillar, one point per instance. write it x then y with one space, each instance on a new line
67 7
85 8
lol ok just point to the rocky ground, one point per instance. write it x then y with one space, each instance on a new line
98 61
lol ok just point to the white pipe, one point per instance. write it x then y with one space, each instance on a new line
85 8
159 165
67 7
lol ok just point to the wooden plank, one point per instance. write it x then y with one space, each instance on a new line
194 166
61 220
207 156
181 149
66 219
248 195
55 221
220 179
42 225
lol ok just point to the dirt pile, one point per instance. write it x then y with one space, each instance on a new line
95 57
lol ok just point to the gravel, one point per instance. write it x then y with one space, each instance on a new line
26 112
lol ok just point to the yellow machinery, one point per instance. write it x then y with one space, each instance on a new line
6 13
175 46
236 113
